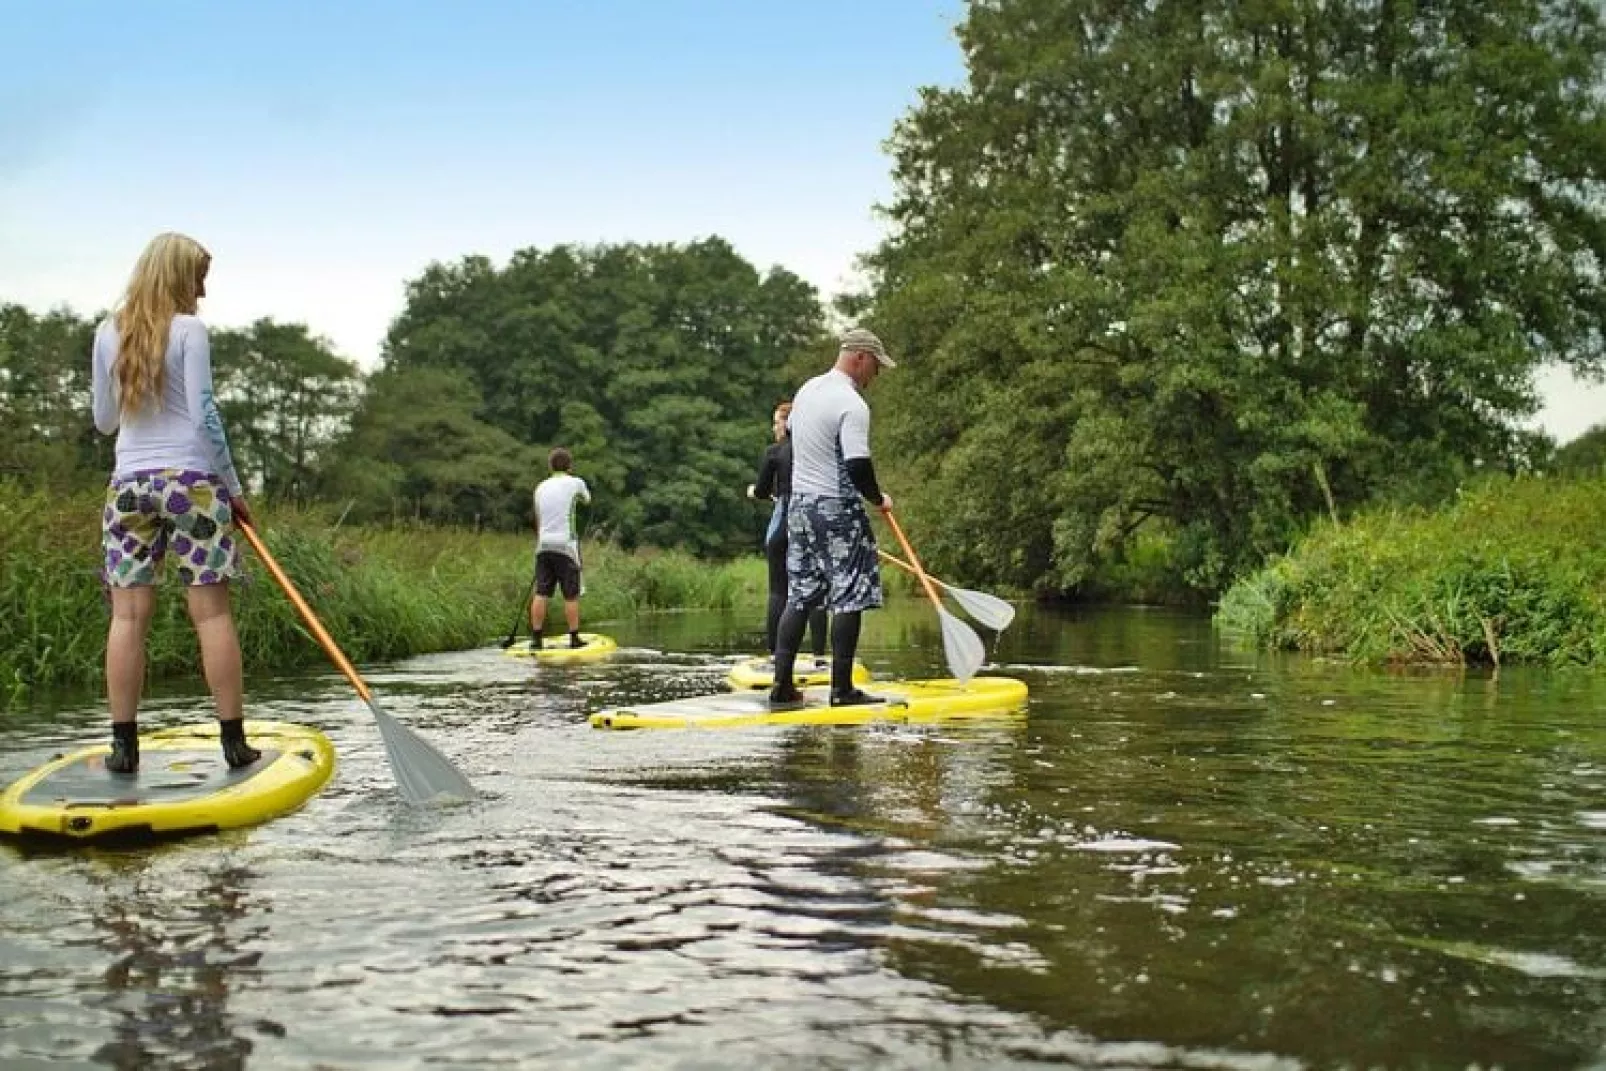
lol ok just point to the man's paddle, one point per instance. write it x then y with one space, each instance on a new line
960 643
990 610
421 772
524 610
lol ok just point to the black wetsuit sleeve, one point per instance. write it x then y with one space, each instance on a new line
768 470
862 473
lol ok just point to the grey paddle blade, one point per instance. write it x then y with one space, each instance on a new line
962 647
422 773
990 610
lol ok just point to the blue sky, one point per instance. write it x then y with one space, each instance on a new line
326 152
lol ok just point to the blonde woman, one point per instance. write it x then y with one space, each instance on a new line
174 491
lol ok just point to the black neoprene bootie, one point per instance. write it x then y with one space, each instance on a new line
535 642
236 752
783 698
575 641
855 698
125 747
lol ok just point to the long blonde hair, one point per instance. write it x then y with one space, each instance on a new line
167 280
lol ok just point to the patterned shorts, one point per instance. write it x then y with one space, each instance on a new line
149 513
831 556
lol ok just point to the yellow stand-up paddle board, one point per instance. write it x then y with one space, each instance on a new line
807 673
907 701
182 786
557 649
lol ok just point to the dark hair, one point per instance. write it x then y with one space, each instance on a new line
559 460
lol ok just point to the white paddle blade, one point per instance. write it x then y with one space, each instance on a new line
989 610
422 773
962 647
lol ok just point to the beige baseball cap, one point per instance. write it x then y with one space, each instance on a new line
858 340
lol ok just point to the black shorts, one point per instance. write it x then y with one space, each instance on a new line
554 569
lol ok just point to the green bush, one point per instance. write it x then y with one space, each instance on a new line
1513 570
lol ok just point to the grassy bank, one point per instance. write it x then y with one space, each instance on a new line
1513 571
383 593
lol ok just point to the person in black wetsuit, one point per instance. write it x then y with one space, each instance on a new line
775 482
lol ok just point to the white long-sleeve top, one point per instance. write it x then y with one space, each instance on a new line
186 430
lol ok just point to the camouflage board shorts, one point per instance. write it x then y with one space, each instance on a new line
148 514
831 555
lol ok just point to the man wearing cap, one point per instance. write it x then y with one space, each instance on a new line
831 559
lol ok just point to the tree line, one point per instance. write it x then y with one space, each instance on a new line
1166 282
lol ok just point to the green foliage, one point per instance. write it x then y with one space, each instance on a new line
46 434
1584 456
383 592
656 365
1231 267
1513 570
285 398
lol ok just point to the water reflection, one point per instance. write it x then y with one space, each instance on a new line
1180 855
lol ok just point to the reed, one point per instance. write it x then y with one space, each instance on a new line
382 592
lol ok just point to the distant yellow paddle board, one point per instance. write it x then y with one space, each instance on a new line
182 786
908 701
808 672
557 649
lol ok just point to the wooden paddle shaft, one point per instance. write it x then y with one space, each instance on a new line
919 570
330 647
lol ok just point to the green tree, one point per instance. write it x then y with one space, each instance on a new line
47 435
657 365
286 399
1584 456
1221 267
416 449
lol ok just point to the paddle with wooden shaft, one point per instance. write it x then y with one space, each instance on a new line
990 610
421 772
960 643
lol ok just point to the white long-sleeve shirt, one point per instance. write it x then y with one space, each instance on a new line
185 431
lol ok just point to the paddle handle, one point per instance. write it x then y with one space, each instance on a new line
917 568
901 564
329 646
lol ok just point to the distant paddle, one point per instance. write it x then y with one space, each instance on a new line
960 643
990 610
421 772
524 610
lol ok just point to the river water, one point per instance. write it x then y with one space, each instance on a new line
1182 855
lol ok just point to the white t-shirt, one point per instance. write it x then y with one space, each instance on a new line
830 425
185 430
556 499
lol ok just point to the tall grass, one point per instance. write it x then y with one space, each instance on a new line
382 592
1513 571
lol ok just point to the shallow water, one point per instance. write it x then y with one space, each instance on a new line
1181 855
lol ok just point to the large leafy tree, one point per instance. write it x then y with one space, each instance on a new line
656 365
47 438
1221 266
286 399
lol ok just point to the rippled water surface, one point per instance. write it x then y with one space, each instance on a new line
1180 855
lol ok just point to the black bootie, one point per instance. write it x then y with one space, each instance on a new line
125 747
236 752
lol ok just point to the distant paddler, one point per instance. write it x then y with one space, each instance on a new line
557 549
774 483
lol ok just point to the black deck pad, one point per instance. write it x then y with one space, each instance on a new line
165 775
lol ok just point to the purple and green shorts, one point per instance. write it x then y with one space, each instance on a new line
149 514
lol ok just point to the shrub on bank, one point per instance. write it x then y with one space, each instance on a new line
1513 570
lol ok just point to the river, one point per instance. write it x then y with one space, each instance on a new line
1181 855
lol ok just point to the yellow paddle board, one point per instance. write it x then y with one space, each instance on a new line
807 673
182 786
557 649
907 701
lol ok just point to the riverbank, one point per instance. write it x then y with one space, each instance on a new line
1513 571
382 592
